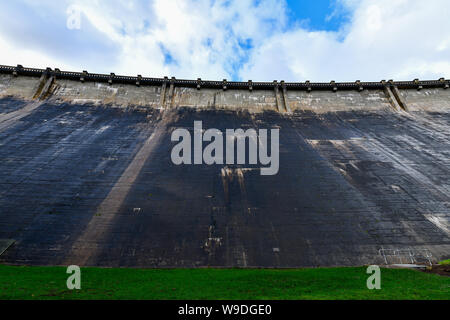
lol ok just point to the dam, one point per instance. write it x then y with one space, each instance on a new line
86 176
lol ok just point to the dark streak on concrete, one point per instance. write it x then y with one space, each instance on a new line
57 165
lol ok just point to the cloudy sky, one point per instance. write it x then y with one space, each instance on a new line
262 40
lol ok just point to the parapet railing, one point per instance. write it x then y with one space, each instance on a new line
224 84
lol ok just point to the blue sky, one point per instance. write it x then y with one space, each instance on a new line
317 14
262 40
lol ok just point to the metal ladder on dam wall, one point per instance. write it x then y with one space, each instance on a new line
406 256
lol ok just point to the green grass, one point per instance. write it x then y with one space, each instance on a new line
319 283
445 262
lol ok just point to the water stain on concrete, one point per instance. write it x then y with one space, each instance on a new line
360 182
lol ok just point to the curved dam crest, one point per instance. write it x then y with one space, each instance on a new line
86 175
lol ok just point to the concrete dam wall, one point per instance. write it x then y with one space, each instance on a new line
86 175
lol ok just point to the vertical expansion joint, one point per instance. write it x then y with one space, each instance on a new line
250 85
333 83
390 83
390 96
276 88
308 85
162 100
277 97
172 86
199 83
171 92
17 70
111 78
224 84
395 97
359 85
83 76
46 89
417 82
445 83
47 72
138 80
283 86
276 92
284 92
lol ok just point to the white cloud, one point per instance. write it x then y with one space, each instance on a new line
14 55
384 39
218 39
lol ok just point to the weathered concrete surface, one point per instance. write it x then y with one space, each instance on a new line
86 178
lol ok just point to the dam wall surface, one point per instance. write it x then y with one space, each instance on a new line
86 175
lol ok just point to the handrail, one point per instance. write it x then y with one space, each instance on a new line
139 80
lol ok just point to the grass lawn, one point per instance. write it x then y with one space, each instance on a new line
319 283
